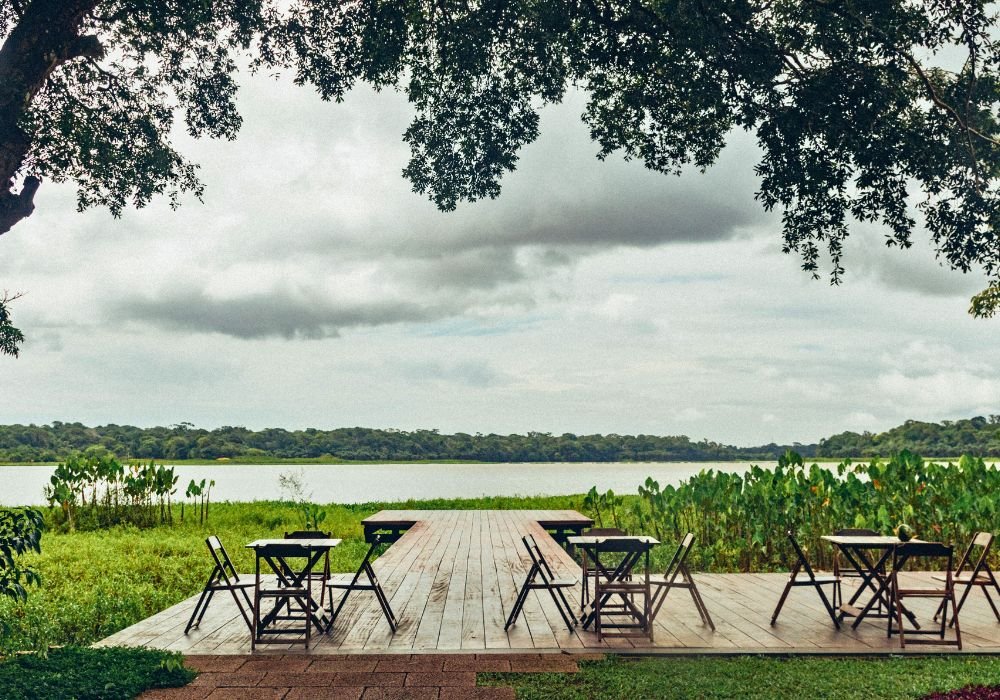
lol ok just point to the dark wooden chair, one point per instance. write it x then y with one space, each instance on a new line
364 579
927 552
677 569
589 573
222 578
850 572
812 580
285 593
622 599
317 576
976 575
540 577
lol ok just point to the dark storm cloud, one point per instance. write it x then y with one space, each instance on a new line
914 269
275 314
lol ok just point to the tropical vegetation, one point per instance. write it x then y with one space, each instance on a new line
20 534
90 674
60 441
740 521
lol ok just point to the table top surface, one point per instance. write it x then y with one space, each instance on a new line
296 542
865 540
597 539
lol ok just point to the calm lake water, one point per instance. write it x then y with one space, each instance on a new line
342 483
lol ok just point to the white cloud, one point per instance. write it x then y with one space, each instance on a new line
312 288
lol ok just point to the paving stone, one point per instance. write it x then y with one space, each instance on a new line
400 694
369 679
461 678
480 665
587 656
517 656
305 680
350 663
282 664
334 693
185 693
226 680
248 694
428 664
215 663
477 694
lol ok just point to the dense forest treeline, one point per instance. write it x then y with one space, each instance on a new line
48 443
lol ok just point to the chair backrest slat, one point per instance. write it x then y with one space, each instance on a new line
856 532
537 558
223 564
679 557
983 539
803 561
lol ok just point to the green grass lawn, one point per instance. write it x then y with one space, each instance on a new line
800 678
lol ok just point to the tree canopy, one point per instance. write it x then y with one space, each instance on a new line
48 443
864 110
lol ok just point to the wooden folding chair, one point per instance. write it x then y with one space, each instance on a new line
318 576
813 580
355 582
540 577
927 551
850 571
981 574
283 592
222 578
677 568
589 573
629 615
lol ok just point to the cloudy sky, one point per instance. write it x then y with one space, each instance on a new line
312 288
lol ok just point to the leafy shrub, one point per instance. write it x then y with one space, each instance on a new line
95 490
20 532
115 673
740 520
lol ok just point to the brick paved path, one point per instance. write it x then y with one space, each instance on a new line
358 676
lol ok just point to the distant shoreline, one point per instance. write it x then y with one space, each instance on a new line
244 461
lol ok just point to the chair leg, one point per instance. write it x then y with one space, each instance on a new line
383 601
564 608
784 594
199 611
518 604
989 599
334 613
826 604
954 620
245 613
700 604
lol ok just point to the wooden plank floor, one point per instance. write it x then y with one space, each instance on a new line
453 577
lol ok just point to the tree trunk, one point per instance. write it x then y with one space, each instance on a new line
46 36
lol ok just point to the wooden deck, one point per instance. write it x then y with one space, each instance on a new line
453 576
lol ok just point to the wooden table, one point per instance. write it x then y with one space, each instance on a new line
868 555
622 570
276 553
